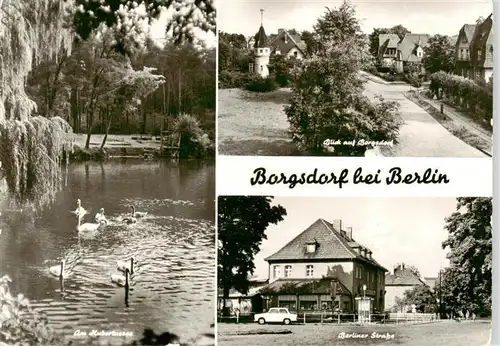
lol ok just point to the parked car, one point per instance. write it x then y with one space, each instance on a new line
276 315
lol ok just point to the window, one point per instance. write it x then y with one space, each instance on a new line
261 68
276 272
273 311
379 278
250 68
462 54
309 271
311 248
295 54
288 271
283 311
260 50
358 273
346 306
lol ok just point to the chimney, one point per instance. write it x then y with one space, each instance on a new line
369 253
363 252
349 232
280 31
337 225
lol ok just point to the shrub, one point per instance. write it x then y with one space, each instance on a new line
20 325
464 93
413 79
194 141
259 84
232 79
384 69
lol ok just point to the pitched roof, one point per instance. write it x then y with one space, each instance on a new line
431 282
390 39
483 38
331 245
285 41
260 38
311 286
408 45
402 277
469 30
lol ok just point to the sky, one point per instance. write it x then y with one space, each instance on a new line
158 30
426 17
409 230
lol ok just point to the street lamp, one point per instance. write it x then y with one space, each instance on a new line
364 291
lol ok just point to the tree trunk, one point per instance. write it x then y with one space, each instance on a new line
180 92
226 310
144 118
106 135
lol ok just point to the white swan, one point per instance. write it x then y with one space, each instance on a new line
121 280
90 227
126 265
138 214
79 211
100 216
58 270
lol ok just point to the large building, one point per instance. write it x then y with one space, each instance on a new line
324 268
474 50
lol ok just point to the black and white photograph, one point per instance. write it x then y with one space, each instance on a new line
107 172
354 271
355 78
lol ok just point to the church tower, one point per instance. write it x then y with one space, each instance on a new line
261 51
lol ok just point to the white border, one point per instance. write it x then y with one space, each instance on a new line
468 177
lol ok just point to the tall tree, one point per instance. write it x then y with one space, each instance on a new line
241 224
421 296
439 54
466 285
328 100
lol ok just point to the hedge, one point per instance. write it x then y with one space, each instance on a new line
258 84
233 79
463 93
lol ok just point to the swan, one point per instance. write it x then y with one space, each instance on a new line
79 211
100 216
125 265
138 214
57 270
121 280
90 227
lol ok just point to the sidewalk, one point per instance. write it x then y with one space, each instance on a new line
377 79
460 118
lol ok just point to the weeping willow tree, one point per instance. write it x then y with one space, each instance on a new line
32 148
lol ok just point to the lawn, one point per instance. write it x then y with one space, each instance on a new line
443 333
251 123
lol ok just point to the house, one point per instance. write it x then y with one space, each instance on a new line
462 50
401 53
287 44
324 268
401 280
250 42
481 51
245 304
387 48
411 50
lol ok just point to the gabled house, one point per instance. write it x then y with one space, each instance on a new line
462 50
324 269
481 50
287 44
401 53
397 283
411 50
387 48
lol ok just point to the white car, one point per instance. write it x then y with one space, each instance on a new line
275 315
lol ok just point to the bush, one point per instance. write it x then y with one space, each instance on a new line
259 84
194 142
384 69
464 93
413 79
232 79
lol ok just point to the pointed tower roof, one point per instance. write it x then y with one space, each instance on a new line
260 38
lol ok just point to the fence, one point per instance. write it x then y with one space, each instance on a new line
412 317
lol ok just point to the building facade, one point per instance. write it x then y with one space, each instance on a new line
288 44
462 50
397 283
481 51
402 53
324 269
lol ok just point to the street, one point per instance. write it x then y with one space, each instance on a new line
444 333
421 135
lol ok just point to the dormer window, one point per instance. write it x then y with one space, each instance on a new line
311 247
286 38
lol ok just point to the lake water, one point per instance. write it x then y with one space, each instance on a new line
172 288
